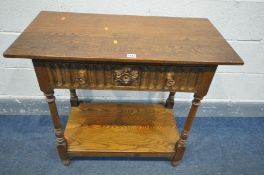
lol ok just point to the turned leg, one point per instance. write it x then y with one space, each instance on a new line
61 141
181 144
74 98
170 101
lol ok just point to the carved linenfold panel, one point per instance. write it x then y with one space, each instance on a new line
108 76
126 76
100 75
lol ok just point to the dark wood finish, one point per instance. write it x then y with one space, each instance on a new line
121 129
93 37
74 98
89 51
46 88
61 141
170 101
182 142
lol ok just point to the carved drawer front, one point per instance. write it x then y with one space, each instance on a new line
126 76
137 77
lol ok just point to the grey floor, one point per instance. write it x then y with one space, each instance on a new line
216 146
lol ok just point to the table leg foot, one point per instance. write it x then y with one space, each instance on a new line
66 162
175 163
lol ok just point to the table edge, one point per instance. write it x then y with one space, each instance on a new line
120 60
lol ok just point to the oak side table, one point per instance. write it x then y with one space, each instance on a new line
93 51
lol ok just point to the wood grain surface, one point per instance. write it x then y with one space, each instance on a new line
121 129
94 37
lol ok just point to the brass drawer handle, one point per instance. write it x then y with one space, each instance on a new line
170 80
81 77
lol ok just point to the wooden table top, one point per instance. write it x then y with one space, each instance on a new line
119 38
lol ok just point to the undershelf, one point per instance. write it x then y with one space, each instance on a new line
118 129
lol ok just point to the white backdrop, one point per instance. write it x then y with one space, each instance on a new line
241 22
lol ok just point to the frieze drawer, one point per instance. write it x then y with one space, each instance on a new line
125 76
